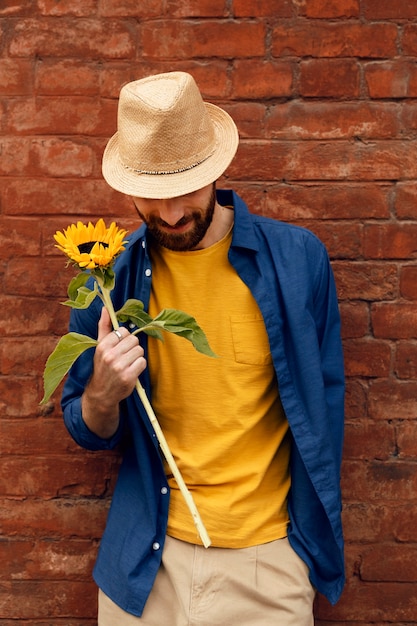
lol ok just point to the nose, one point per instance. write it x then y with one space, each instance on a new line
170 210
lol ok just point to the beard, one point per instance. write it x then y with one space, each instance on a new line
181 242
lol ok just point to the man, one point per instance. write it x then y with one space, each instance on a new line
256 432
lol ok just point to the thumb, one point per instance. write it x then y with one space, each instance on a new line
104 325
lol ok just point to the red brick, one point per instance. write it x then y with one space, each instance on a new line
394 320
400 563
188 8
329 78
409 39
21 357
67 7
199 39
406 360
356 398
312 120
51 476
390 241
65 199
70 517
15 156
406 201
15 7
400 10
367 357
370 604
355 319
35 319
60 37
262 8
47 560
39 436
256 80
377 481
365 280
249 118
334 40
320 160
67 77
16 77
20 600
19 236
327 201
369 440
391 79
369 522
406 439
343 241
408 282
131 8
69 115
28 277
390 399
331 8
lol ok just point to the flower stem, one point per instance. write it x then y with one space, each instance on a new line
160 436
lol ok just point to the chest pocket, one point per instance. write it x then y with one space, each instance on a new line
250 339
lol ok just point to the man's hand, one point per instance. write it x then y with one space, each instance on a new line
117 365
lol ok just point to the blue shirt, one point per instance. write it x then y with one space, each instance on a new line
288 272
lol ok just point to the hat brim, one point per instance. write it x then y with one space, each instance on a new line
163 186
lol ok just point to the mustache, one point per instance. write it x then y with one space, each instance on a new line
157 221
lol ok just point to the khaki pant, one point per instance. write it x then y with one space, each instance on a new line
266 585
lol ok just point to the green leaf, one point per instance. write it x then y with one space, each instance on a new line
75 284
182 324
133 311
67 351
84 298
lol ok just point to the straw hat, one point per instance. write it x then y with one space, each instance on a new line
169 142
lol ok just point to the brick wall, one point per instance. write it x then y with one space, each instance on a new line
324 95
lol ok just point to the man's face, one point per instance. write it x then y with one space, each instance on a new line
179 223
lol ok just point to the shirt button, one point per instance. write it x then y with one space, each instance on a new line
143 244
148 272
164 491
155 546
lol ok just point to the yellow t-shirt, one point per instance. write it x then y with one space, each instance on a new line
222 417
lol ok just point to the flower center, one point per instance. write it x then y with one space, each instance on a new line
85 248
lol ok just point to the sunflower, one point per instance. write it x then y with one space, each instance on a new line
91 246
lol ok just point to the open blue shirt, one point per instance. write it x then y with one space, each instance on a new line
288 272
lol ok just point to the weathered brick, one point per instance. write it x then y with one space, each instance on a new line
330 8
262 8
390 399
405 365
365 280
385 10
369 440
355 319
409 40
329 39
312 120
391 79
67 7
186 39
368 358
390 241
395 320
78 517
67 77
406 439
408 282
254 79
406 200
329 78
69 115
16 77
20 600
131 8
48 560
85 38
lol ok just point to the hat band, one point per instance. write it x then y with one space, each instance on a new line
162 172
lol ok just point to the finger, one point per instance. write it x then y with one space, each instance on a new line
104 324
